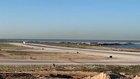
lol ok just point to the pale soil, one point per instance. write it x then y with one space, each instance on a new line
31 54
46 54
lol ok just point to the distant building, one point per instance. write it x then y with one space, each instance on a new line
87 43
24 42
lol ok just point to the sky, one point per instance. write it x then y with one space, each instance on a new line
70 19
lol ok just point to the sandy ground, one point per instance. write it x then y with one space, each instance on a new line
66 55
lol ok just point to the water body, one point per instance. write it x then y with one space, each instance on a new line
133 46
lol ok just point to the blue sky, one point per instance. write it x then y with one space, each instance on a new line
70 19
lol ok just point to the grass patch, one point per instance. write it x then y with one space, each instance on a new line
6 45
18 52
101 68
130 70
10 46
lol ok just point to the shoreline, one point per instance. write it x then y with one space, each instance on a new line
102 48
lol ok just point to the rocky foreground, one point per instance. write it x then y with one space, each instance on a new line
55 71
60 76
112 76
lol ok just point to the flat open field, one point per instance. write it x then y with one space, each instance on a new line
18 53
13 53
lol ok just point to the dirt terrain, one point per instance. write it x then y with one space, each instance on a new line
15 53
37 61
69 72
46 54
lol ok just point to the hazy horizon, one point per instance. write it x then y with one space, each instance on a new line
70 19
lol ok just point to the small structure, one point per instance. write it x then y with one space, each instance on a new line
53 65
110 56
42 48
77 52
24 42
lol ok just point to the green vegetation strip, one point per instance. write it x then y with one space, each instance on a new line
18 52
6 45
90 68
